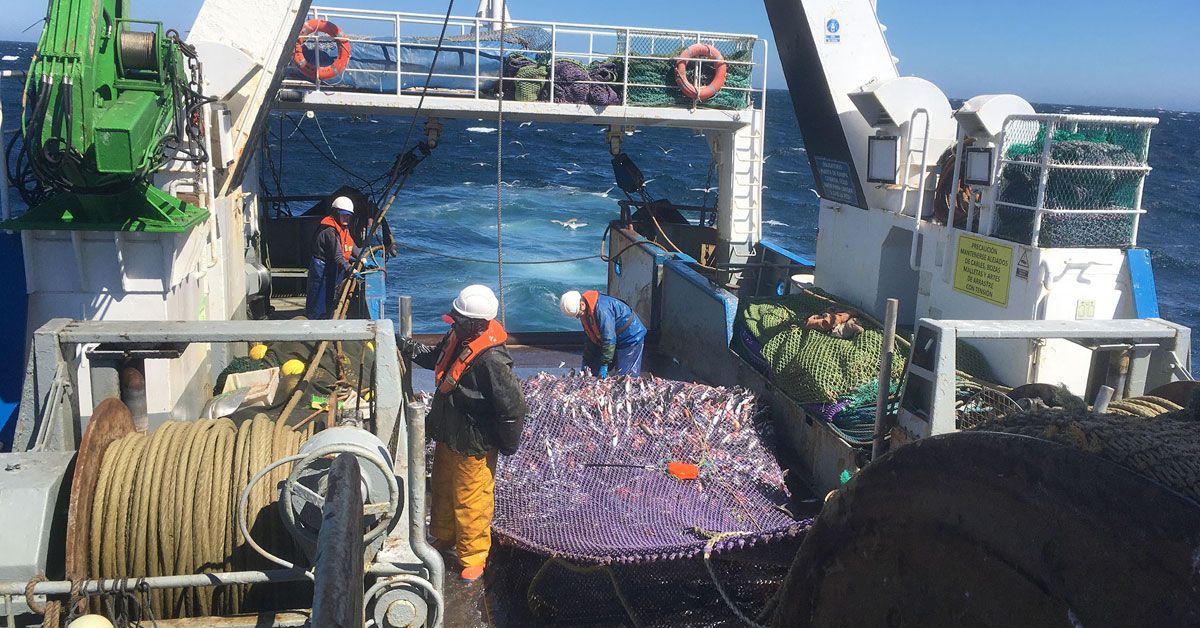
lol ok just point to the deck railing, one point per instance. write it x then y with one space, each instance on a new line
1071 180
391 52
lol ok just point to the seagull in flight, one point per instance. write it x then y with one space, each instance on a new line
514 182
518 143
572 223
521 156
705 190
815 193
481 163
648 181
525 124
569 172
666 151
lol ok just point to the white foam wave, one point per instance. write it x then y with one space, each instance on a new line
481 129
9 58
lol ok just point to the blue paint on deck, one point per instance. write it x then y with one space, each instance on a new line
1141 277
12 335
795 257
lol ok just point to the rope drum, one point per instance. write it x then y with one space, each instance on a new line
166 503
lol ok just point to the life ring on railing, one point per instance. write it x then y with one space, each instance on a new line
704 51
322 72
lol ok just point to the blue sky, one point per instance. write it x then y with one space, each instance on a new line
1082 52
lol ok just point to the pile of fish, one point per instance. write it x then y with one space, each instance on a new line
563 495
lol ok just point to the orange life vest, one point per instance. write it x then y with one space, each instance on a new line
448 374
343 235
591 326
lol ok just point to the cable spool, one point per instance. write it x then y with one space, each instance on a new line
165 504
138 50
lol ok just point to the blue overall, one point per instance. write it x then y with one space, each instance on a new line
322 289
620 332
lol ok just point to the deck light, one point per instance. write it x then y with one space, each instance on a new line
978 169
883 154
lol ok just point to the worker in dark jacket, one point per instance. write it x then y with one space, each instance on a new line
332 249
615 336
477 411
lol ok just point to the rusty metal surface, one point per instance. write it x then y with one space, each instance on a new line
110 421
338 586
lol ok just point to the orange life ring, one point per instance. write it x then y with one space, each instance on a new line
704 51
320 72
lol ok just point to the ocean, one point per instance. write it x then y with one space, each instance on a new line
557 172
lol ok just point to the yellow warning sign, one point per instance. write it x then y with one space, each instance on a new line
983 269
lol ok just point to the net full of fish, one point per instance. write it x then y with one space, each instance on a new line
549 501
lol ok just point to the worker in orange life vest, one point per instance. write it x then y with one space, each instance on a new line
477 412
332 249
615 336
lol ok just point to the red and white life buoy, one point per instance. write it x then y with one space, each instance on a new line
320 72
704 51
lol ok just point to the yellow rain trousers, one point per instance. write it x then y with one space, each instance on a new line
463 502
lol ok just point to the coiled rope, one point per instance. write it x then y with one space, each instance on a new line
165 504
1143 406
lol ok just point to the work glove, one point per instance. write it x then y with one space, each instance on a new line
358 276
407 346
603 371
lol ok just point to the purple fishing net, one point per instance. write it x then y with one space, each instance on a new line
549 502
570 88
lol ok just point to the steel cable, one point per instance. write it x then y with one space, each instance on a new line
164 505
500 169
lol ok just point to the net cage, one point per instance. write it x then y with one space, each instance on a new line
583 541
1071 181
536 61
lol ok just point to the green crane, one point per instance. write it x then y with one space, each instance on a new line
108 101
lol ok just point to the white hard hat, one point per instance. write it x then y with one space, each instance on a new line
477 301
343 204
90 621
569 303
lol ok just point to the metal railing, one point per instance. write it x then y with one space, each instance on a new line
1080 176
469 63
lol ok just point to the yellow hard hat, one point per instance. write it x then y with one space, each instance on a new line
258 352
90 621
293 367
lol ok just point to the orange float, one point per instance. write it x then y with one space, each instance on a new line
317 71
703 51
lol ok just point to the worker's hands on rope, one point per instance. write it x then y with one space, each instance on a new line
603 371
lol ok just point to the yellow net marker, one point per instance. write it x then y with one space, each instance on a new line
258 352
293 367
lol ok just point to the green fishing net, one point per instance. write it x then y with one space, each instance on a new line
808 365
652 82
1080 182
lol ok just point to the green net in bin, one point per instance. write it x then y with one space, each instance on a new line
1067 188
808 365
652 82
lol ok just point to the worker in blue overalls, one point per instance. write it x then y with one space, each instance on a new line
615 336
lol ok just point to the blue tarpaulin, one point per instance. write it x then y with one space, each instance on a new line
372 66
